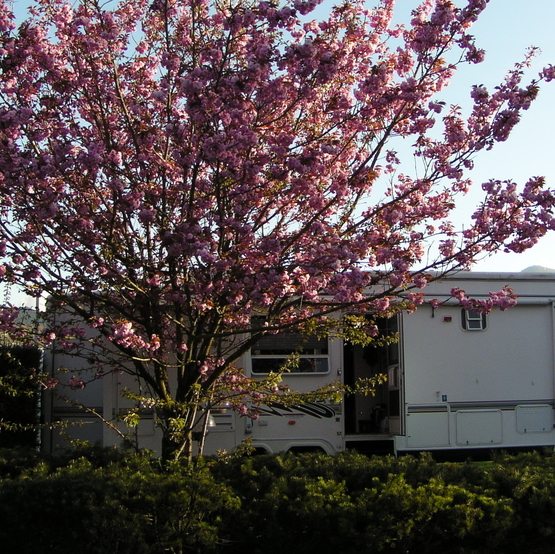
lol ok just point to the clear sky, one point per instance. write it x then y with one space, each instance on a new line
505 30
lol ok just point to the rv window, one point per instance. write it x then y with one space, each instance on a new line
473 320
271 352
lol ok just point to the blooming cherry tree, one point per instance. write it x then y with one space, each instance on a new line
168 168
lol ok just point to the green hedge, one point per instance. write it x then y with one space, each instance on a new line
127 505
108 502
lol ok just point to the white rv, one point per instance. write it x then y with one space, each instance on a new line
457 380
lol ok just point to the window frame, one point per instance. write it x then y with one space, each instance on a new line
281 358
473 320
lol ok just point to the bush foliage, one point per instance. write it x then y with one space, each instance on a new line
105 501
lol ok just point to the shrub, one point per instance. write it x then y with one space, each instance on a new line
130 506
102 501
315 503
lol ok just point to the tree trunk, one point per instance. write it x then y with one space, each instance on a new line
174 450
178 443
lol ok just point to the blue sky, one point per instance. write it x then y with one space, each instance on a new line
505 30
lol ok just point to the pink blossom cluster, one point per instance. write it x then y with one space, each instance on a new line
502 299
76 383
8 318
124 335
49 383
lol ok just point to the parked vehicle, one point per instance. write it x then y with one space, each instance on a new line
456 380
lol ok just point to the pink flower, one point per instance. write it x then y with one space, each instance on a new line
49 382
420 281
76 383
548 73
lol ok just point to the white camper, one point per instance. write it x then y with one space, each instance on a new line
457 381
